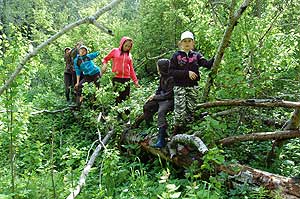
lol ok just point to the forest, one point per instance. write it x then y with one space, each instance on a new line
244 142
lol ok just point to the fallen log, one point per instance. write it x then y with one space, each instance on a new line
268 103
288 187
89 165
262 136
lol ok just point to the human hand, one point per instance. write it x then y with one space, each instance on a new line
192 75
150 98
76 85
137 85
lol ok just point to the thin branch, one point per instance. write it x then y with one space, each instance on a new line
262 136
88 167
29 55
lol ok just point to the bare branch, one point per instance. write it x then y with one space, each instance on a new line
263 136
88 166
251 102
69 27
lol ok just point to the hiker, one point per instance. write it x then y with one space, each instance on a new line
83 63
184 67
122 66
161 102
69 73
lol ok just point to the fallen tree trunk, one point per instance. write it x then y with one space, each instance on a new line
268 103
263 136
288 187
89 165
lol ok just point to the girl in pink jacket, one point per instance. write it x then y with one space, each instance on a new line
122 66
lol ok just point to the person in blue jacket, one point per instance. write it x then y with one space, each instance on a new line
84 63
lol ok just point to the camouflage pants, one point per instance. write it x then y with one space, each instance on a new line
185 100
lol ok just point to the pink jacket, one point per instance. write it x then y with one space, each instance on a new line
122 62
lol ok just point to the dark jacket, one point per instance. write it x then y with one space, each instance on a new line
182 63
69 63
165 89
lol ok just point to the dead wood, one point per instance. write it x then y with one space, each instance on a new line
262 136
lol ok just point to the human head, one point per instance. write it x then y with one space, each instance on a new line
67 50
83 50
187 41
163 66
127 45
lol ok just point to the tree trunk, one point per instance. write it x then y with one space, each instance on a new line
232 22
251 102
263 136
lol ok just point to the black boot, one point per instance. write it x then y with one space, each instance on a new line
161 138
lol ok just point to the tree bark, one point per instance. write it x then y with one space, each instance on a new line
263 136
232 22
88 20
268 103
89 165
289 187
238 174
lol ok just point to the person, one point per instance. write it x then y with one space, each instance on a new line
162 101
184 67
83 63
122 66
69 73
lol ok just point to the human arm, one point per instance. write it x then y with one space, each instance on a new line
168 93
133 75
204 62
77 80
106 59
178 72
93 55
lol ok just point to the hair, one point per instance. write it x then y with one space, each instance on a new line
163 66
123 45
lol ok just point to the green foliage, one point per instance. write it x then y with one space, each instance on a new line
42 155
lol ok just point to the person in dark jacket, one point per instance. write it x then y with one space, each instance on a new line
184 67
69 73
162 101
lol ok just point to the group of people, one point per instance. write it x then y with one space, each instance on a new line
178 84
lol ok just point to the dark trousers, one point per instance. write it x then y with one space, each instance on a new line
123 93
161 107
89 78
69 79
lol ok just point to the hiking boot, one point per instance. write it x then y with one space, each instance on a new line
161 138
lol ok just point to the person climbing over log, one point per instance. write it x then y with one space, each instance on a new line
184 67
161 102
69 73
83 63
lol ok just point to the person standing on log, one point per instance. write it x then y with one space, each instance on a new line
161 102
69 77
122 67
184 67
84 63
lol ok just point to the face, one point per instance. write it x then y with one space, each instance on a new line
187 44
82 51
67 51
127 46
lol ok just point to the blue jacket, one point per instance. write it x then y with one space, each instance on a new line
86 65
